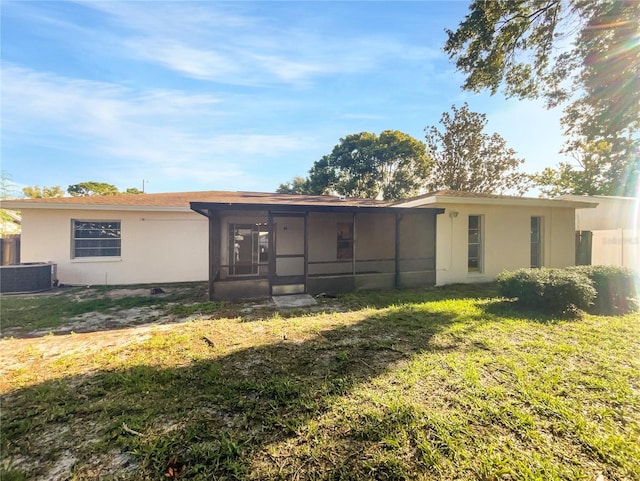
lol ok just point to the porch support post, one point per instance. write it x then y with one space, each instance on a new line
353 244
306 251
272 252
214 249
396 281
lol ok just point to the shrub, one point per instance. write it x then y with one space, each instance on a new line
616 289
556 291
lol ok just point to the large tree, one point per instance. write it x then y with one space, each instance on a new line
580 54
37 192
8 188
297 185
583 176
85 189
392 165
467 159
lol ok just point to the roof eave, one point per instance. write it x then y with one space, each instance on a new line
438 200
55 206
204 207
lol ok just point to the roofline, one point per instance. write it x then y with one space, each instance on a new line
204 207
435 200
8 204
578 198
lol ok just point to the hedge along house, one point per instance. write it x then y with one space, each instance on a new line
481 235
275 244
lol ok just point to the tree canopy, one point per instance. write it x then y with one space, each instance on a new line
85 189
82 189
467 159
297 185
581 54
392 165
588 179
37 192
8 188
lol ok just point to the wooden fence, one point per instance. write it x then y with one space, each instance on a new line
10 250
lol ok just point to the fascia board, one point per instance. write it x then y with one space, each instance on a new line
129 208
443 201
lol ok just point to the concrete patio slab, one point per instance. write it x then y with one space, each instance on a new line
294 300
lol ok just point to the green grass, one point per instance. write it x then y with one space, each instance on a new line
450 383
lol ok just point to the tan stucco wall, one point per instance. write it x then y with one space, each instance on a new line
156 246
506 233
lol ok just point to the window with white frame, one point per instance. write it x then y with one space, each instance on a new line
536 242
96 238
474 256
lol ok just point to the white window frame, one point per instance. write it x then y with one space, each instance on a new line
98 240
538 244
479 243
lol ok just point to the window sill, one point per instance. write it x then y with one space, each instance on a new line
476 274
89 260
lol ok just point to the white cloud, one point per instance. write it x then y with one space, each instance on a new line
171 133
225 44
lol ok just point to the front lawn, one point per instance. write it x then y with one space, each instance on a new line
449 383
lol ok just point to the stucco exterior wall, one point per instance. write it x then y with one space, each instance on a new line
506 232
156 246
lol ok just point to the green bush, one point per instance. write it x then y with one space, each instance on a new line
556 291
616 289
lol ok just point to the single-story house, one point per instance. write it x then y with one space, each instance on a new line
481 235
250 244
610 233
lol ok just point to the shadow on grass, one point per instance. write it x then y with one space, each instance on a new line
212 419
63 312
508 308
386 298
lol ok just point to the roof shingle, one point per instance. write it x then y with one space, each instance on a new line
182 199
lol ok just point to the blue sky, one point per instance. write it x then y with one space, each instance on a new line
229 96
